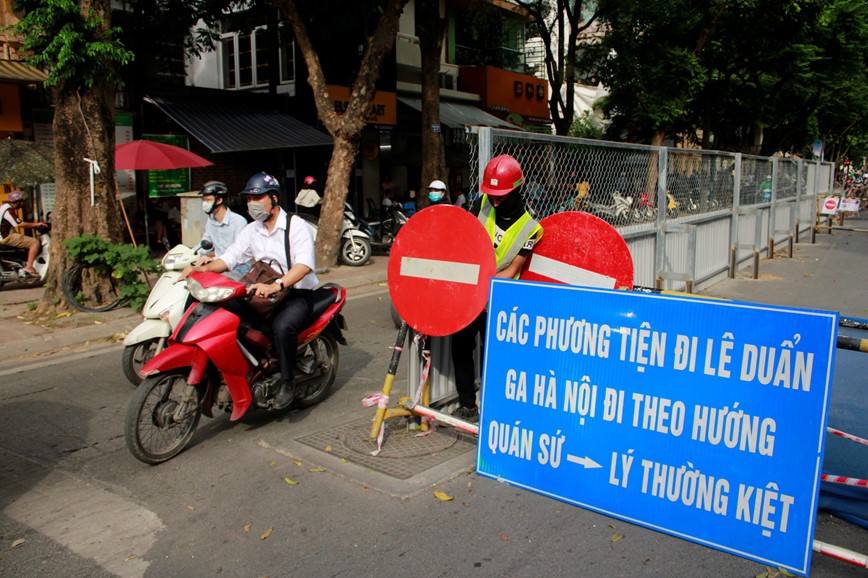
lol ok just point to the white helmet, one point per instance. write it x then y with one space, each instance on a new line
437 185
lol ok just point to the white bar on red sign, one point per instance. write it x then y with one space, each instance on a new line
440 270
569 274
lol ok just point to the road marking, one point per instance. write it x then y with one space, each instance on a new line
114 532
436 270
55 357
569 274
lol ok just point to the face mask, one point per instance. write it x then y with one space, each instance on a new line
435 196
208 206
258 211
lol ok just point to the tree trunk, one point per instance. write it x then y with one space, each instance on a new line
346 128
431 29
651 180
83 128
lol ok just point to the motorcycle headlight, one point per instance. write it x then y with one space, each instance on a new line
172 262
208 294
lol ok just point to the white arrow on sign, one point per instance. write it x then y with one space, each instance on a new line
587 463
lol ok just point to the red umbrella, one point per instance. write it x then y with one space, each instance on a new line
151 155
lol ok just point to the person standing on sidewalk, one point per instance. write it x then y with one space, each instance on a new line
513 233
9 237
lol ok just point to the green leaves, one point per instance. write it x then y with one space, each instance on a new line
75 47
124 262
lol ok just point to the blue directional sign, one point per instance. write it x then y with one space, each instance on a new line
700 418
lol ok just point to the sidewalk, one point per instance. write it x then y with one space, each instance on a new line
22 339
828 275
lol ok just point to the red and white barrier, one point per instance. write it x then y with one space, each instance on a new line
839 553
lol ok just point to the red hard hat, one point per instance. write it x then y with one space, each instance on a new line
502 175
309 180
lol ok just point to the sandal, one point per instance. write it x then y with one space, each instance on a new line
27 274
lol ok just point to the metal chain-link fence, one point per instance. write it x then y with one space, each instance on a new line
619 182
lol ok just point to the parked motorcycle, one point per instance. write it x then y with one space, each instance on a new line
355 247
219 356
384 231
620 212
13 261
163 310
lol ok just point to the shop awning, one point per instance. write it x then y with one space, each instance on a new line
16 71
458 115
224 125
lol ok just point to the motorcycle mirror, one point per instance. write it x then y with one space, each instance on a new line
206 245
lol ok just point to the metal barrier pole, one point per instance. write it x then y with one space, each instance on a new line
390 377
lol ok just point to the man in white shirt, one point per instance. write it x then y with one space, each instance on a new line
223 225
265 239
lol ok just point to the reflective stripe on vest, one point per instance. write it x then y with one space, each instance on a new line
513 239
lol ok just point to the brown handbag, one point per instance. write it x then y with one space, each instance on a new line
263 272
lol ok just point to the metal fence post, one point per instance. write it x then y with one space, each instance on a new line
484 141
660 246
773 207
733 227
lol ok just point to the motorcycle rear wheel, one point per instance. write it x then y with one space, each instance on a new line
315 389
151 433
135 356
355 254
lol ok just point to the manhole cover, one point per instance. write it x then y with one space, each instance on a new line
404 455
398 441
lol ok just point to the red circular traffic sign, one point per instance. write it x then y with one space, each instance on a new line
439 270
580 249
831 203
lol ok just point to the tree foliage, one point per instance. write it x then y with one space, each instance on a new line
733 73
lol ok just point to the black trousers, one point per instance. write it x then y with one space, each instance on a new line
463 347
290 320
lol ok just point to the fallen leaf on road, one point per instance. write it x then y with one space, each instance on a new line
131 557
63 314
503 536
786 572
266 534
442 496
316 470
616 537
273 464
343 460
290 482
247 527
298 464
17 542
191 508
328 448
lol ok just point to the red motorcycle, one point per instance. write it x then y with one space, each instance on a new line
221 355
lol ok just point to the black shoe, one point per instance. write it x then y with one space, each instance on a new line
470 414
285 396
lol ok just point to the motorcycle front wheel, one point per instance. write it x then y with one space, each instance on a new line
314 388
162 416
355 253
135 356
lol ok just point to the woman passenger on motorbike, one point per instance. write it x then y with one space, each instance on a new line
265 239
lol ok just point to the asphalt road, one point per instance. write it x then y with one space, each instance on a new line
83 506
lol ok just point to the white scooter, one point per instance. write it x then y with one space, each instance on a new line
162 311
355 247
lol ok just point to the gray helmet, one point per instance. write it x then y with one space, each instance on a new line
262 183
215 188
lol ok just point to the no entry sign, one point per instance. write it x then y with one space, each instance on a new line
439 270
580 249
830 206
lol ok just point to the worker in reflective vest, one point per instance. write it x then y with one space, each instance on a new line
513 233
